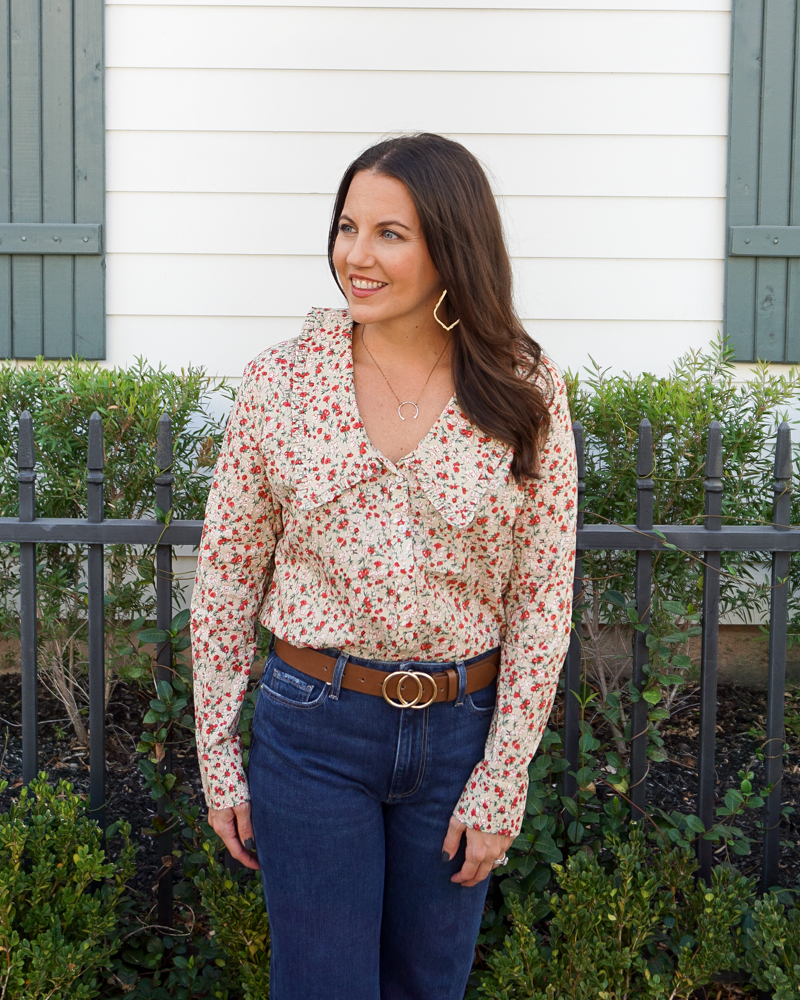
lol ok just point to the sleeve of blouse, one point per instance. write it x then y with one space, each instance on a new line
235 565
538 611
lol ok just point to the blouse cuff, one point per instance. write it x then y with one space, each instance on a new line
493 800
223 776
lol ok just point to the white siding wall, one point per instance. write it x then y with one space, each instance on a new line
602 123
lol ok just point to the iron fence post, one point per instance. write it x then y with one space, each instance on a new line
164 481
96 610
572 668
26 476
645 465
776 691
709 649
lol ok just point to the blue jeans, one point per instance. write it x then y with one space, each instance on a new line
351 800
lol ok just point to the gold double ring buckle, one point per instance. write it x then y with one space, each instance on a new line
418 700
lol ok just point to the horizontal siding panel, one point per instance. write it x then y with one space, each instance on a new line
286 162
179 341
621 345
219 223
298 224
487 40
288 101
654 228
185 285
619 289
221 344
712 5
214 285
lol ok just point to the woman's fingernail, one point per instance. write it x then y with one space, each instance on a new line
250 844
445 857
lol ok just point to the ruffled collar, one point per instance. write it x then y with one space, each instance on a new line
454 463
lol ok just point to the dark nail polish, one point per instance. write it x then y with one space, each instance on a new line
445 857
250 844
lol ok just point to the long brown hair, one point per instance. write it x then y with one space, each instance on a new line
494 360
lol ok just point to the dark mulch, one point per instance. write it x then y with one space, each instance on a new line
741 715
724 991
62 756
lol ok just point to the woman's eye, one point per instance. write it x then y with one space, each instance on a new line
345 227
391 235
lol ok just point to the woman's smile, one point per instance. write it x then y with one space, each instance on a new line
364 287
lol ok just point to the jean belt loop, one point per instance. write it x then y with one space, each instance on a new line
270 651
461 667
338 672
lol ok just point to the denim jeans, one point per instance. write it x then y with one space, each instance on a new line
351 800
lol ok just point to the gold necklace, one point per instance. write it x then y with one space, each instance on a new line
407 402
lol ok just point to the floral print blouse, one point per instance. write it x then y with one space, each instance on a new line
440 556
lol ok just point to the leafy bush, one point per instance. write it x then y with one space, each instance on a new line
219 947
61 398
556 826
221 952
238 917
701 387
630 924
60 897
772 937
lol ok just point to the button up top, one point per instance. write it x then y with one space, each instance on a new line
440 556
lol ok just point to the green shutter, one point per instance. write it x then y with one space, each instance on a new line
52 179
762 275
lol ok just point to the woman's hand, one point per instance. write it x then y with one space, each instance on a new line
234 828
483 849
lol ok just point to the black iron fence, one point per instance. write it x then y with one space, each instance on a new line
711 539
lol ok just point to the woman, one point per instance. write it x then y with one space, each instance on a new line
395 501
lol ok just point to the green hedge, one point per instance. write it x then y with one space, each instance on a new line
61 899
701 387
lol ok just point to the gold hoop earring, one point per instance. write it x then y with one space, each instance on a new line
441 324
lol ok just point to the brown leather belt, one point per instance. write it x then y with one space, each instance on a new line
400 688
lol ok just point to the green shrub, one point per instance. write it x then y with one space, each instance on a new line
218 951
629 925
60 897
61 397
701 387
219 947
772 938
155 964
238 917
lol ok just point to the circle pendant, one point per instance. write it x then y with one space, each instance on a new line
408 402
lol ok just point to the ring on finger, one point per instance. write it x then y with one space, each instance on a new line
499 862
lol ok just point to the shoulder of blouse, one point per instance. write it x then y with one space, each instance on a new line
548 380
553 385
268 379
